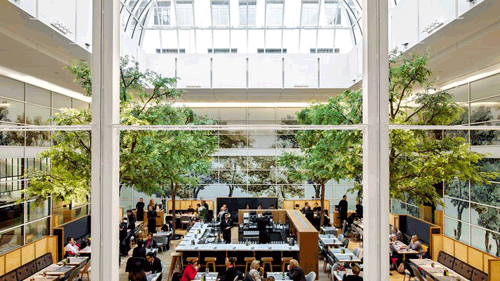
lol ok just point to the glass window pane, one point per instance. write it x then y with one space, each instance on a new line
457 189
11 216
37 95
11 88
60 101
460 93
11 111
37 212
486 87
36 115
456 230
80 104
237 113
457 209
37 230
262 113
486 217
11 240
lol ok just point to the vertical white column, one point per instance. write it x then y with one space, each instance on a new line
376 140
105 139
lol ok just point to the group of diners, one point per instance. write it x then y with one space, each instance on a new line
400 253
144 261
256 272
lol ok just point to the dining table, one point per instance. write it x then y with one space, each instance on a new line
85 251
74 261
437 270
208 276
329 240
278 276
339 275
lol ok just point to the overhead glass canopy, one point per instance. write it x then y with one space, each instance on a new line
242 26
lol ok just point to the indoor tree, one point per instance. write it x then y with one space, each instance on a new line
146 98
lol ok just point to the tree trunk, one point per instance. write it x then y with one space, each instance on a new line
317 191
487 241
497 241
172 192
322 213
231 189
459 225
195 192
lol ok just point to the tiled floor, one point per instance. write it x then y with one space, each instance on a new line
166 258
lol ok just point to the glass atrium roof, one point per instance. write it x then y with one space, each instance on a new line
242 26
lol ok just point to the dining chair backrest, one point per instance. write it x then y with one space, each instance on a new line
428 278
417 273
86 267
330 260
356 252
236 278
345 243
185 219
75 273
335 266
311 276
344 227
341 236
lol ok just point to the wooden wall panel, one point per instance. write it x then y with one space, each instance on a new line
475 258
13 260
437 245
494 270
41 247
487 258
183 204
288 204
438 218
461 251
448 245
52 247
27 253
2 265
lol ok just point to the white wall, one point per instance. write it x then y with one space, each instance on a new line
265 71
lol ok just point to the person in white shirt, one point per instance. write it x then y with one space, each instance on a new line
72 248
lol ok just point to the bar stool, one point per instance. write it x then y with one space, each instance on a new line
248 262
268 261
211 261
284 261
176 262
190 259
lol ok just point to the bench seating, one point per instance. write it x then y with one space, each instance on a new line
28 269
461 267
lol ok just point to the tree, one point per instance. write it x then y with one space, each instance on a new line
145 99
458 189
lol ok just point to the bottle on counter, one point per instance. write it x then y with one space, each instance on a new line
247 243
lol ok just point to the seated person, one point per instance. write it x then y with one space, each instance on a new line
139 251
270 278
416 246
259 207
256 271
72 248
359 210
153 264
295 272
231 272
137 276
151 242
135 268
297 207
354 276
399 235
272 206
167 227
190 209
247 207
190 271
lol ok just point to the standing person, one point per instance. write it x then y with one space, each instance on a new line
317 208
395 231
190 271
247 207
151 219
152 203
359 210
204 204
306 208
343 209
140 209
131 220
225 228
295 272
222 213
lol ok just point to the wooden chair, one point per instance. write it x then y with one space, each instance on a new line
176 262
75 274
268 261
86 270
210 261
284 261
248 262
190 259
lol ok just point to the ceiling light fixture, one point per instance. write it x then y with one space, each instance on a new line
241 104
60 26
433 25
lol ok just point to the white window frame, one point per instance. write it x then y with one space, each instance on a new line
159 13
186 19
274 14
217 14
307 10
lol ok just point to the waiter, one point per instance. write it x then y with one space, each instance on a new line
140 210
151 219
262 223
343 209
225 228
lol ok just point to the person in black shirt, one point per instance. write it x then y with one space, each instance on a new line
359 210
140 210
139 251
317 208
262 222
151 219
231 271
190 210
306 208
343 209
225 228
131 220
295 272
355 275
153 265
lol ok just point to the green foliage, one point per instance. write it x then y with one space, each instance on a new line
153 162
